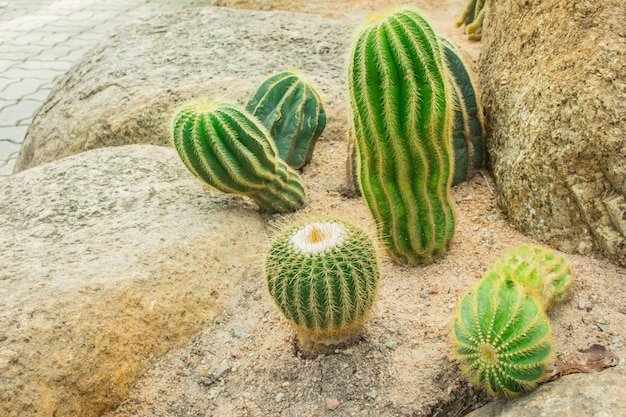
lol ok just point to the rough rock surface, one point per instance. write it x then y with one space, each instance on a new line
107 260
553 74
593 394
127 88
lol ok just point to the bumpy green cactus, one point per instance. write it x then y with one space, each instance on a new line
402 110
323 276
503 337
291 109
230 150
542 272
469 149
473 17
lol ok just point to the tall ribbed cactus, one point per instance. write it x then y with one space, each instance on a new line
469 149
503 337
402 111
291 109
230 150
323 276
543 272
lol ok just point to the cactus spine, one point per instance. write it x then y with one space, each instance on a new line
503 337
324 277
291 109
543 273
402 115
230 150
469 149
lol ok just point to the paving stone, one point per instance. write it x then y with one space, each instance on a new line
19 53
40 94
35 64
13 133
6 166
8 147
16 113
20 89
16 72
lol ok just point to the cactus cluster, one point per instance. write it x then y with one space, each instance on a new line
323 276
473 17
228 149
469 148
402 112
291 109
501 331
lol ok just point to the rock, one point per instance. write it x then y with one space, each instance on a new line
553 74
593 394
109 259
127 89
331 403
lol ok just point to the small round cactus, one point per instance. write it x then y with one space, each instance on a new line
230 150
542 272
323 276
503 337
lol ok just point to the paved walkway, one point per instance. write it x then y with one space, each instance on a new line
40 40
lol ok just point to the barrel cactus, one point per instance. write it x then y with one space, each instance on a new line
503 337
402 111
323 275
473 17
230 150
291 109
543 272
469 149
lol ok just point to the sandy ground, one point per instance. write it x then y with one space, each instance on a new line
249 363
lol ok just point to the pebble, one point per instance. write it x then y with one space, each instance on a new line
451 306
331 403
239 334
423 294
492 217
601 326
392 345
279 397
286 384
581 304
367 381
372 394
222 370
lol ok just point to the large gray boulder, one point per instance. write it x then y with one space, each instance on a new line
107 260
553 75
598 394
127 89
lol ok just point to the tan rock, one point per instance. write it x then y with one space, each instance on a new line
107 260
127 89
553 75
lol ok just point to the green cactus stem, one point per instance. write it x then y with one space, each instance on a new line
543 273
230 150
503 337
473 17
402 111
469 148
291 109
323 276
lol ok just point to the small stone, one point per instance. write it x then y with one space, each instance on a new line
236 353
372 394
433 289
222 370
423 294
492 217
451 306
286 384
601 326
367 381
239 334
279 397
581 304
392 345
264 320
331 403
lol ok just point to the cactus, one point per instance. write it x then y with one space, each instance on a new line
503 337
469 149
323 276
402 112
291 109
542 272
473 17
230 150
